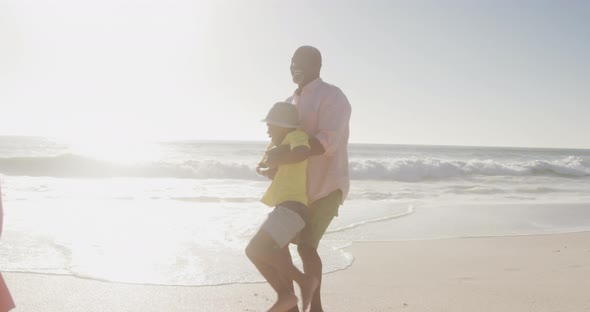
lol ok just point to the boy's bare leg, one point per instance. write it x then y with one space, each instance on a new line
269 273
283 263
260 245
312 265
287 291
261 249
288 285
283 288
286 302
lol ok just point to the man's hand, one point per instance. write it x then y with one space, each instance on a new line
316 148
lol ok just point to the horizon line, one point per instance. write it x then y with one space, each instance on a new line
57 139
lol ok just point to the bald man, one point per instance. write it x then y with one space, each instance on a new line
324 113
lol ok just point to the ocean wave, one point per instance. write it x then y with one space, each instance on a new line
419 169
479 190
75 166
406 169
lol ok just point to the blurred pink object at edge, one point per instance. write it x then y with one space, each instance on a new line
6 302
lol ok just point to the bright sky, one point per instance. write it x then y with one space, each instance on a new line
500 73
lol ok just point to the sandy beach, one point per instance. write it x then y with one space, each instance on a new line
521 273
437 151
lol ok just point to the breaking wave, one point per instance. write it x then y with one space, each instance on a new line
407 169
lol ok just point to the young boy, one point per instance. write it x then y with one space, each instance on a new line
287 193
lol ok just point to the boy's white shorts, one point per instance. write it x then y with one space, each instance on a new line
283 225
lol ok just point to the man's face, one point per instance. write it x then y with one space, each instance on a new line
300 68
297 71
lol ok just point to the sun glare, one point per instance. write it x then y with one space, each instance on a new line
116 150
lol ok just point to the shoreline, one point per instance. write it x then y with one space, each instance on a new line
546 272
347 248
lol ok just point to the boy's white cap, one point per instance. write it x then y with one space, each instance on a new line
284 115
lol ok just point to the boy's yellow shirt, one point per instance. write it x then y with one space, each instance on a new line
290 181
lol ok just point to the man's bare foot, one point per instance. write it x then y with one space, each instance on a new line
284 303
308 287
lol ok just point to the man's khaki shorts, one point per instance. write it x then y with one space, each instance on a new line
321 213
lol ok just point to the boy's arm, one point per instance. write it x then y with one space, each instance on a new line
283 155
263 170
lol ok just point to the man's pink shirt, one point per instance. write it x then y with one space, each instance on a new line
324 112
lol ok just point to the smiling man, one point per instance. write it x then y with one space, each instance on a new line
324 112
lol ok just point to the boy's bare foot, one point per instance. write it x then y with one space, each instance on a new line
308 287
284 303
